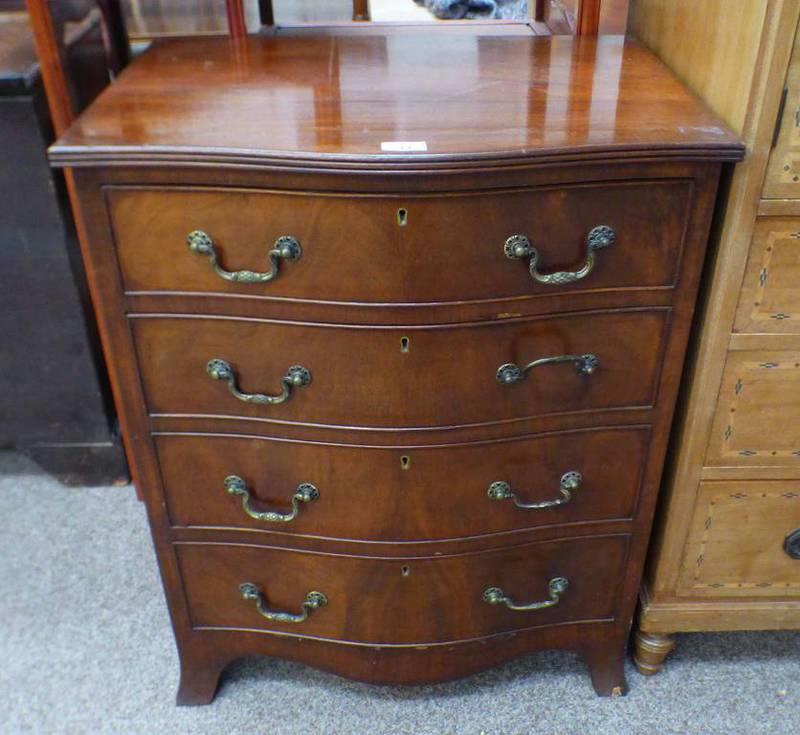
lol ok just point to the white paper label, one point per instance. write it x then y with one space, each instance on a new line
404 146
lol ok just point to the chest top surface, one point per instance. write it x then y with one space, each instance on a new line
339 100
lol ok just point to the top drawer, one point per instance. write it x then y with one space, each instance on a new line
400 248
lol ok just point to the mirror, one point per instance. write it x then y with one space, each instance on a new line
400 11
153 18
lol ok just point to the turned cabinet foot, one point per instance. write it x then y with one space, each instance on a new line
650 650
199 679
607 669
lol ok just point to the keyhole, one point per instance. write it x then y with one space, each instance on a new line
405 344
404 570
402 217
405 462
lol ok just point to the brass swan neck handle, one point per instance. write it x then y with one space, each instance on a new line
296 377
557 587
570 481
285 248
518 247
314 600
305 493
512 373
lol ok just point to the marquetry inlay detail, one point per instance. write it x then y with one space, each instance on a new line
783 172
736 542
757 421
770 299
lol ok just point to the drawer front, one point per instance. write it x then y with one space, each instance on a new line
404 601
424 377
769 290
757 420
744 541
782 180
363 249
403 494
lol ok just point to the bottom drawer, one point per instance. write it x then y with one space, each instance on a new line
744 541
403 601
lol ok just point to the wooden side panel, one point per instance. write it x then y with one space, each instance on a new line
783 173
770 300
737 537
759 36
712 46
758 414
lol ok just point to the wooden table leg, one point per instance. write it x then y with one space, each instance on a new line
650 650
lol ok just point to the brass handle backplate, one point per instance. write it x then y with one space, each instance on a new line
518 247
286 248
305 493
791 544
511 373
314 600
296 377
570 481
557 587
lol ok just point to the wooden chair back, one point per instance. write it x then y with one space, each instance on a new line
586 14
360 11
48 17
47 21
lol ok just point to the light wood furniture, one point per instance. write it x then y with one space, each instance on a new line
725 555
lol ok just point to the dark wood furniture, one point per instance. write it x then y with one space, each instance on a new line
355 320
56 405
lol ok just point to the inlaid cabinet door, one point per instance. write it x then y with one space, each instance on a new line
770 297
757 422
783 173
743 541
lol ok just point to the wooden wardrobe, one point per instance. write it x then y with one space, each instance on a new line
726 554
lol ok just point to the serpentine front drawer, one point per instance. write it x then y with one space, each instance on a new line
361 248
405 600
400 377
385 318
402 493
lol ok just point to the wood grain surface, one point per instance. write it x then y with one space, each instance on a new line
364 378
337 99
401 494
398 371
448 248
372 601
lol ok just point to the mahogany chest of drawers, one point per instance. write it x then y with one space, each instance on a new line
397 350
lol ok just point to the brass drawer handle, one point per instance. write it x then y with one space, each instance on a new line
511 373
518 247
305 493
570 481
314 600
296 377
791 544
286 247
496 596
